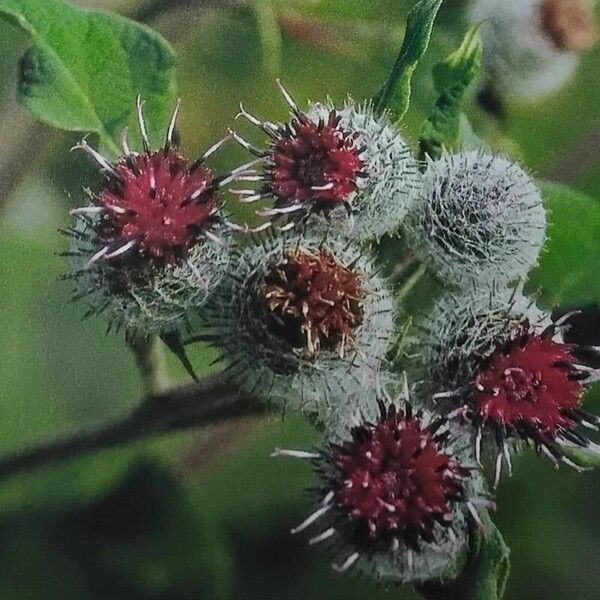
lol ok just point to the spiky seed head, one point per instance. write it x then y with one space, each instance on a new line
462 331
531 389
530 45
389 189
344 168
479 219
315 301
393 496
149 202
300 322
503 363
315 164
150 246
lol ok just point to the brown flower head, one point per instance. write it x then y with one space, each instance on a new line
569 23
314 300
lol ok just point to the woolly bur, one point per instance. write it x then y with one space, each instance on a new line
532 46
479 219
152 243
300 322
345 165
394 496
518 381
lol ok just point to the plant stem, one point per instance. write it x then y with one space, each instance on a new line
269 34
212 400
151 363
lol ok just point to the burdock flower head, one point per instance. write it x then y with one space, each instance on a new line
479 219
314 300
522 382
569 23
531 46
151 245
347 165
393 496
298 320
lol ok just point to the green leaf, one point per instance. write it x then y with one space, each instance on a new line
569 269
445 126
395 93
491 568
84 69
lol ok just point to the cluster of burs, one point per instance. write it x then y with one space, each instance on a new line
303 319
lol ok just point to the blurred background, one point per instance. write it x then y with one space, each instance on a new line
207 515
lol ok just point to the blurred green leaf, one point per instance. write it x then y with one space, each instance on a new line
84 69
462 65
452 78
568 273
395 93
143 538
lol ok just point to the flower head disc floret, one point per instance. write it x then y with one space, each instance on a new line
394 494
152 243
316 162
347 169
315 300
301 322
531 385
393 479
532 389
310 165
151 203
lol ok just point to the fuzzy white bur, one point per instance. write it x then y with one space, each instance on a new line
145 298
268 366
328 525
479 220
462 330
392 177
521 58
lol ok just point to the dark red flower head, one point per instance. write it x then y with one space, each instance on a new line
310 165
159 202
531 388
154 205
313 162
394 481
315 301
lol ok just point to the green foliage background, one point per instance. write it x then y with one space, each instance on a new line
207 515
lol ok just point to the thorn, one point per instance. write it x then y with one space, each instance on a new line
311 519
173 342
172 125
122 249
247 145
498 471
270 212
83 145
294 454
347 563
287 97
321 537
96 257
125 141
142 124
84 210
473 512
